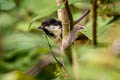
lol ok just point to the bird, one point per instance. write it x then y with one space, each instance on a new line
52 27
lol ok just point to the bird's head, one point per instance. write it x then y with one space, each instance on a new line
51 27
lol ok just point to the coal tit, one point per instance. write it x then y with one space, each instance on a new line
52 27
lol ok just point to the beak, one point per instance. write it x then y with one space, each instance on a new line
40 27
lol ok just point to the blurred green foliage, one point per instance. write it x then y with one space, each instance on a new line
6 5
21 48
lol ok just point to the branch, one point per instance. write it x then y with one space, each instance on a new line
81 17
59 2
69 13
94 22
67 25
42 63
45 61
59 11
70 38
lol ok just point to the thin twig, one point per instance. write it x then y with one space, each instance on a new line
81 17
94 22
42 63
61 65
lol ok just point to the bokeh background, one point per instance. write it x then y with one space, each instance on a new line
22 47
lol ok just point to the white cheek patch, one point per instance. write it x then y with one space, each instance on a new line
52 27
56 30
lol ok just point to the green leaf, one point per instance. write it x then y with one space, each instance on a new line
25 41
